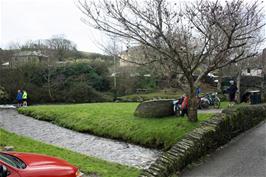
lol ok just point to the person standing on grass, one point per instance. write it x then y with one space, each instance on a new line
19 98
184 106
232 93
198 91
24 98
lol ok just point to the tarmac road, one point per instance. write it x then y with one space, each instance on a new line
244 156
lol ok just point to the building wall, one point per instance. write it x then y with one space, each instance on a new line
20 60
263 60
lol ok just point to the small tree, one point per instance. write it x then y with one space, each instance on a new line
61 47
203 36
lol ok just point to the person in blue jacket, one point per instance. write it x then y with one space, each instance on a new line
19 98
198 91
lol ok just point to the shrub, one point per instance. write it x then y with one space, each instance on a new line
3 95
77 82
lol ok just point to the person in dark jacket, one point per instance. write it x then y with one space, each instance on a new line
19 98
232 93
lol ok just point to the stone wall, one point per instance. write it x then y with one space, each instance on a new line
250 83
212 133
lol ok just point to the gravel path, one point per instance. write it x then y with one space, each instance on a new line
102 148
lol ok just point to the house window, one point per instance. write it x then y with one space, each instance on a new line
248 71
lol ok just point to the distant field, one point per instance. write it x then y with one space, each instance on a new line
116 120
88 165
153 95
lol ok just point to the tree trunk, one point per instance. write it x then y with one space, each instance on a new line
219 84
49 83
262 89
263 58
238 84
193 108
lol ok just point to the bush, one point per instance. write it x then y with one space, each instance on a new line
3 95
77 82
222 97
82 92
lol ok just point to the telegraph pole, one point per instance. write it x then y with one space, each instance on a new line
263 58
115 85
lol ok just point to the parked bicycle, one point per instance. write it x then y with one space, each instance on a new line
177 106
210 99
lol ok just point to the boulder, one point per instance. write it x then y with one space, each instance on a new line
155 109
8 148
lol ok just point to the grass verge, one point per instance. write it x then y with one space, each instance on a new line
153 95
224 104
88 165
163 94
116 120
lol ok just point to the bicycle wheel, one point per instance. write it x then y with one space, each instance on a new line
216 103
204 104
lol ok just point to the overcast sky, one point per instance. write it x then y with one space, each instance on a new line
23 20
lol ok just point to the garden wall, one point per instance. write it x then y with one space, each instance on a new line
212 133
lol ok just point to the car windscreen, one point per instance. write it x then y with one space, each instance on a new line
12 160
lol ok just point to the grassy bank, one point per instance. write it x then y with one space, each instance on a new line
152 95
89 165
163 94
116 120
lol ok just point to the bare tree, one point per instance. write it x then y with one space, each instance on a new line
62 47
113 48
206 35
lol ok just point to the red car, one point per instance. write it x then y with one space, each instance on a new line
14 164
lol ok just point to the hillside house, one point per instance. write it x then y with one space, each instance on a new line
23 57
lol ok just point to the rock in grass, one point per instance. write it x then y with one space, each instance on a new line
8 148
155 109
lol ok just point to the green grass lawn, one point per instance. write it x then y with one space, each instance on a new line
224 104
153 95
116 120
88 165
165 94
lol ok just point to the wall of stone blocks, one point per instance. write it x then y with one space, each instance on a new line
212 133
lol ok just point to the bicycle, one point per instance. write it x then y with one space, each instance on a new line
210 99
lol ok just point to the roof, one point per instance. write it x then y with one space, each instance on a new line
5 64
30 53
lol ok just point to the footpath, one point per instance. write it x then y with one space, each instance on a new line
244 156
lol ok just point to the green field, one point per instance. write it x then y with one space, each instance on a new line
224 105
116 120
88 165
153 95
